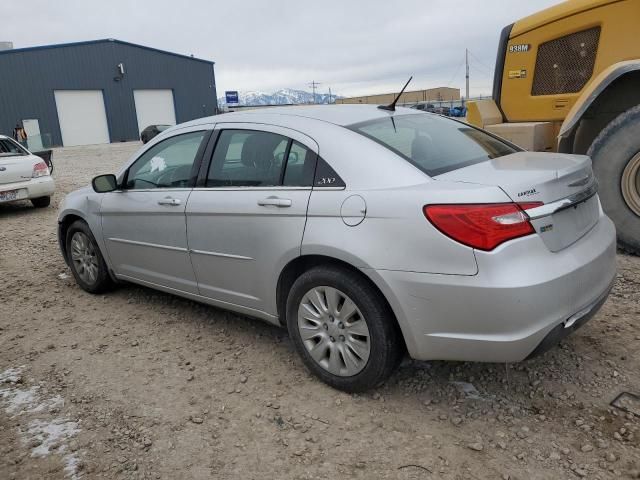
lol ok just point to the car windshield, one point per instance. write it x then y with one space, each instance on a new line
9 148
433 144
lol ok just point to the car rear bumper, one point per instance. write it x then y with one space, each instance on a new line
570 325
522 292
34 188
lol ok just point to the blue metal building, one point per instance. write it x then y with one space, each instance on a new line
100 91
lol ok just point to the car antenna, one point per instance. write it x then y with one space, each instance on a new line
392 106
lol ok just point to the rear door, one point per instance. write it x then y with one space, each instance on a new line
144 224
246 218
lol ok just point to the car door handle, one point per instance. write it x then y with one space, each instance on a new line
275 201
173 202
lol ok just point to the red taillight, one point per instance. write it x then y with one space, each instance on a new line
481 226
40 169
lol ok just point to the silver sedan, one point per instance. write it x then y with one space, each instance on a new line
368 233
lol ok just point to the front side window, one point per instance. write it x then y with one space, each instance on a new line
167 164
9 148
251 158
433 144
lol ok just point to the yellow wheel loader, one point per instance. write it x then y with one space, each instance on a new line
567 80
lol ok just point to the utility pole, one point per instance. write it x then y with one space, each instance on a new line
466 61
329 95
313 86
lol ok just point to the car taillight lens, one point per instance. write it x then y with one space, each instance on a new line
481 226
40 169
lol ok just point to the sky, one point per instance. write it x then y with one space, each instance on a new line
353 47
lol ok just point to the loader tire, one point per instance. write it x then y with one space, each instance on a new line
616 163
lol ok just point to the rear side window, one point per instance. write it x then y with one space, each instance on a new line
434 144
300 166
247 158
251 158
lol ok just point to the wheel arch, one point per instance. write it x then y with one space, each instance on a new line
612 92
64 223
65 220
301 264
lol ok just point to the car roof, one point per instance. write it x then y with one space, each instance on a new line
342 115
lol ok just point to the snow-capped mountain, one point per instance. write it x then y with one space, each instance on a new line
285 96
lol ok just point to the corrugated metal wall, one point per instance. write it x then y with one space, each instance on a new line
29 77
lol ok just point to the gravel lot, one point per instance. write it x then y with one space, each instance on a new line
141 384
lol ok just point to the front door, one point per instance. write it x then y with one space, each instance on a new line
247 219
144 223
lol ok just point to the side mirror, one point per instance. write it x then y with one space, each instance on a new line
105 183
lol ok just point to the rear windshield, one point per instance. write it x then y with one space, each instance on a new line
9 148
434 144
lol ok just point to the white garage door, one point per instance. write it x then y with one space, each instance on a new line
154 107
83 120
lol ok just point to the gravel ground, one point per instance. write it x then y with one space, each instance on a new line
141 384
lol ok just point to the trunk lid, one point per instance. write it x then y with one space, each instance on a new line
543 177
15 169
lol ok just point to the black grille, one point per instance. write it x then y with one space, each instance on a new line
565 65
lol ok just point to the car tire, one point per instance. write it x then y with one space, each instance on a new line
85 259
343 365
614 152
41 202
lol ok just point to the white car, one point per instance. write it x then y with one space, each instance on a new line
23 175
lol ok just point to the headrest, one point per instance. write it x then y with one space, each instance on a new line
257 150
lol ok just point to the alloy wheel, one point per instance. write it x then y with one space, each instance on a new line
334 331
84 257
